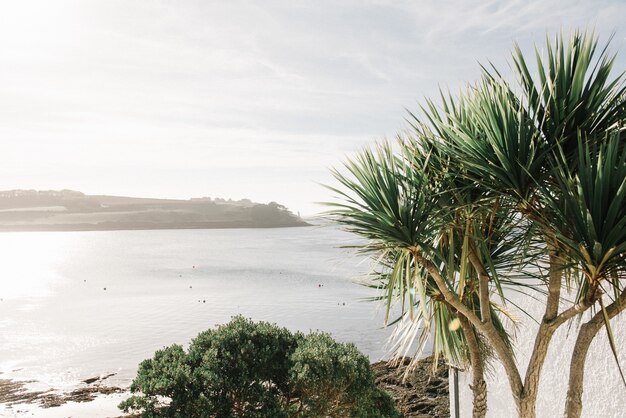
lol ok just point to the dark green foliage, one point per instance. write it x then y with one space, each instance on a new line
334 377
248 369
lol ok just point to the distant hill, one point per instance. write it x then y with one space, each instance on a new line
68 210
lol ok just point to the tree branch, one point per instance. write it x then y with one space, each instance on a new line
569 313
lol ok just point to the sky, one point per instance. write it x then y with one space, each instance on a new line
240 99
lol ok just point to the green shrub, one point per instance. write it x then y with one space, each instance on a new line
248 369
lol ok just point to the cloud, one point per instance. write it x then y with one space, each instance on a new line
272 90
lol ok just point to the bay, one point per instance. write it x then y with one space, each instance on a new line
79 304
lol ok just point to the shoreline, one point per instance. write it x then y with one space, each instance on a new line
144 227
422 394
20 398
67 210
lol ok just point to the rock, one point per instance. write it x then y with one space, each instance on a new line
422 394
12 393
95 379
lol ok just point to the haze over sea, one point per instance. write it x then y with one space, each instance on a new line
58 324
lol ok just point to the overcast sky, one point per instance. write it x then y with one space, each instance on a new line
239 99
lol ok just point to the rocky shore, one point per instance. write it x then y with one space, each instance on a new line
423 394
13 393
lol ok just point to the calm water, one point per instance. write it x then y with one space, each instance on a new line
59 325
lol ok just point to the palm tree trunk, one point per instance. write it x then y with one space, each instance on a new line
478 386
526 408
504 352
586 334
545 332
483 284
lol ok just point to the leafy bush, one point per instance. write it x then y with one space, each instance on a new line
248 369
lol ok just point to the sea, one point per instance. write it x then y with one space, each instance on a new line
74 305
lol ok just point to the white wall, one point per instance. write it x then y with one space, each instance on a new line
604 393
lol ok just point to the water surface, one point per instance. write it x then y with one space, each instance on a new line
78 304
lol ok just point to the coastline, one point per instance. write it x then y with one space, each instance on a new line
147 226
67 210
421 394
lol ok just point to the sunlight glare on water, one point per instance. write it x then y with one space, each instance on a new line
29 262
78 304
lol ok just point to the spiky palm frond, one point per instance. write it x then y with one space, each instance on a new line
589 209
573 90
493 140
385 200
380 187
393 206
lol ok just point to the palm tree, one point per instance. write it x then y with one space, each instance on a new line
533 151
401 203
500 179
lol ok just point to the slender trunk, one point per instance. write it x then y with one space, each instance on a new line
517 388
554 284
504 352
526 408
551 321
573 402
586 334
546 330
483 284
528 399
478 386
